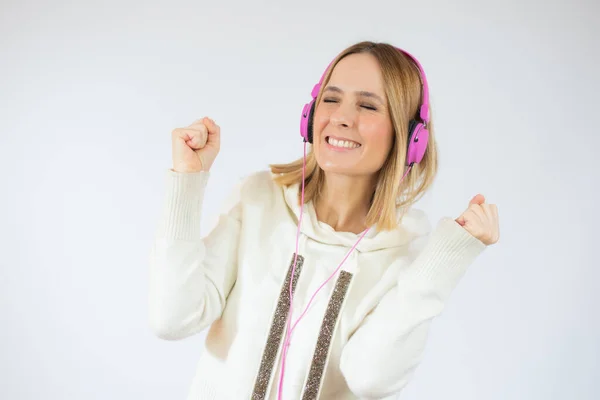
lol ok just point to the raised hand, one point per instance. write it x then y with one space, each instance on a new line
480 219
196 146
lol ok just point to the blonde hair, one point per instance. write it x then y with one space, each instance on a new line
402 84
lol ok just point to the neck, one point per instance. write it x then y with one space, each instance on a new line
344 201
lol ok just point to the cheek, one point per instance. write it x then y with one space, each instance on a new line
320 120
377 134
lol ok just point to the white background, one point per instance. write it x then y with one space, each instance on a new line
90 91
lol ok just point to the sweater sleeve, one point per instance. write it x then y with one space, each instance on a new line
382 355
190 276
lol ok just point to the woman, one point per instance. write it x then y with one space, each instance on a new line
369 275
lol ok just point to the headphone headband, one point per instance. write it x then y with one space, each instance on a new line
424 109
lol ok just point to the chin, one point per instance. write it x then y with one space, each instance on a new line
337 170
343 168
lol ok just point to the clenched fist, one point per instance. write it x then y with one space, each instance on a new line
481 220
195 147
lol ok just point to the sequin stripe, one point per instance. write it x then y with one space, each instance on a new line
276 332
315 374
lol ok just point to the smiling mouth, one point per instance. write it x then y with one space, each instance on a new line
342 144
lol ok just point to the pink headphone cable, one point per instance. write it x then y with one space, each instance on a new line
289 329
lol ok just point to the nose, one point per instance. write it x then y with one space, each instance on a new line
343 116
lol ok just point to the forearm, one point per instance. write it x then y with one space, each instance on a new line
189 276
382 355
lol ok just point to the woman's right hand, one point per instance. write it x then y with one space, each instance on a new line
195 147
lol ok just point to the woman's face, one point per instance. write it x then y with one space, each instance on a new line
352 128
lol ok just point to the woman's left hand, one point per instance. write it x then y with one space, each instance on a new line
481 220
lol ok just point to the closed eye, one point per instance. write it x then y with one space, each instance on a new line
369 107
363 105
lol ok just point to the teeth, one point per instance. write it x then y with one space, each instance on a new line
342 143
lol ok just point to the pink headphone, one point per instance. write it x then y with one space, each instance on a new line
418 135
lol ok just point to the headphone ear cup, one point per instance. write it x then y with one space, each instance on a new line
311 118
418 136
306 121
411 128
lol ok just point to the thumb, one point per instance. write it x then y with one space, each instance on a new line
478 199
214 133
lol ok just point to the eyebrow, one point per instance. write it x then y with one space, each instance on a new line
360 93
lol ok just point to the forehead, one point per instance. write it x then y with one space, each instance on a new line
358 72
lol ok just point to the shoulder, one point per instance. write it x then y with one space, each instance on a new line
258 187
261 179
416 221
414 229
255 191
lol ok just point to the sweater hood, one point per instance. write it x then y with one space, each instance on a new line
414 224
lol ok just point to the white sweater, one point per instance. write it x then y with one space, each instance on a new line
364 334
